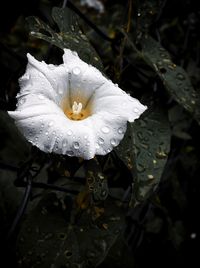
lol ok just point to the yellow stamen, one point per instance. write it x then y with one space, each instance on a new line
76 112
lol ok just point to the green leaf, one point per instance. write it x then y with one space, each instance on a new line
70 35
144 150
174 78
56 235
151 144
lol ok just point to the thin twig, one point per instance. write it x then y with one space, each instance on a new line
21 209
89 22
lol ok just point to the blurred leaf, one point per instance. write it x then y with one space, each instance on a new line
70 35
54 235
14 149
174 78
147 13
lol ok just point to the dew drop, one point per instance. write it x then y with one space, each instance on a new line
121 130
113 142
64 143
76 71
50 124
86 137
136 110
101 141
60 91
46 133
22 101
69 132
105 130
180 76
76 145
97 146
54 133
70 153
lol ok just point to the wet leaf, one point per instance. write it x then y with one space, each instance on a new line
70 35
144 150
151 144
54 235
96 180
174 78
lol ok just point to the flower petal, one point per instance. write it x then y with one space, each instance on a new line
49 80
45 126
108 130
111 99
84 79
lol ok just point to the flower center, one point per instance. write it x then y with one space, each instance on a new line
77 112
76 108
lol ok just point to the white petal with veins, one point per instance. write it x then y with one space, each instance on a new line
72 109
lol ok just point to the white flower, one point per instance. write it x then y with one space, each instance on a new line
72 109
94 4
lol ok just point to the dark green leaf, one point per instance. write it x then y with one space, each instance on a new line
174 78
54 235
70 35
151 143
144 150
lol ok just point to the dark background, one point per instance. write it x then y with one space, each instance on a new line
164 230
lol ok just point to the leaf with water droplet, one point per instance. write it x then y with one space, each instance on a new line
174 78
49 233
144 150
70 35
151 144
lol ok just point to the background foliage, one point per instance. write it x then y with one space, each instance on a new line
138 205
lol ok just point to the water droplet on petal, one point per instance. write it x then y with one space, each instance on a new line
86 137
46 133
76 145
22 101
60 91
105 130
101 141
64 143
113 142
76 71
97 146
50 124
70 153
121 130
135 110
69 132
